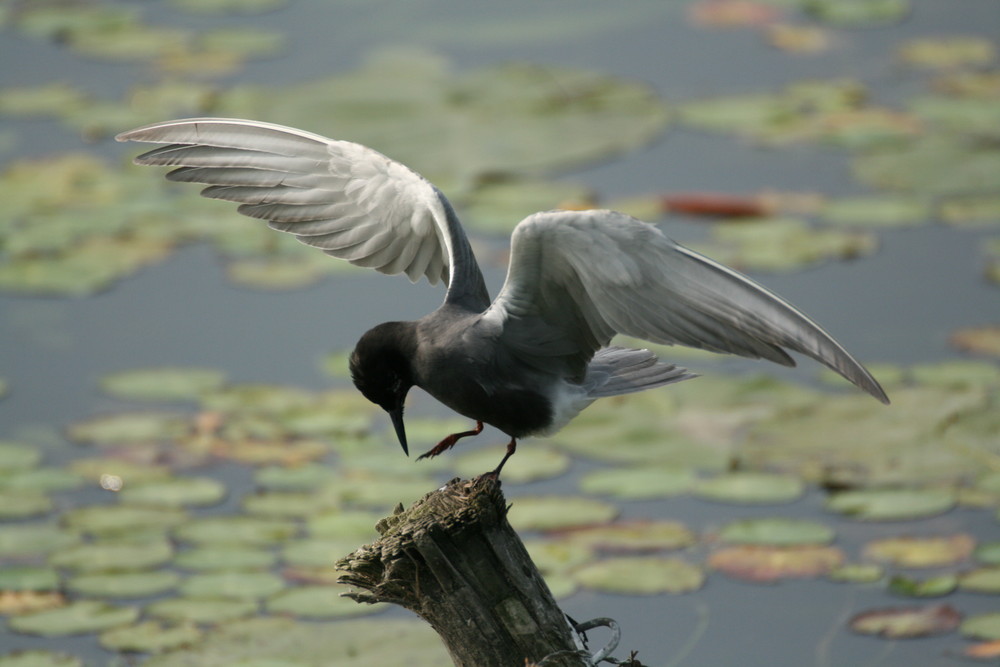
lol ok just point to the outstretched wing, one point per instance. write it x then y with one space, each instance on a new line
343 198
576 278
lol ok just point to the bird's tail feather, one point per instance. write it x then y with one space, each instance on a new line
619 370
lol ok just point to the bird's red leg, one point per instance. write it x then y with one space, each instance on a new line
511 448
450 441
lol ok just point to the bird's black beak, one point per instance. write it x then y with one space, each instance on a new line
397 423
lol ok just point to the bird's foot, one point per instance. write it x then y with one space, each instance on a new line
511 448
450 441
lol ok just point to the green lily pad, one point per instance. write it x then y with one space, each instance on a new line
930 587
124 584
286 504
201 610
243 42
530 464
558 512
22 505
640 576
121 520
162 384
858 13
304 477
921 551
988 553
76 618
17 456
113 555
981 580
129 428
957 374
948 52
319 602
28 578
230 585
637 535
767 564
557 555
39 658
32 539
150 637
750 488
638 483
236 530
981 340
223 557
318 552
292 643
977 211
356 524
776 531
935 165
856 573
228 6
129 472
497 207
175 492
907 622
39 480
877 211
982 626
891 504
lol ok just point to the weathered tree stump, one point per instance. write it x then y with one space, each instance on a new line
454 559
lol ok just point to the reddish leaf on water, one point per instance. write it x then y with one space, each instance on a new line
907 622
983 339
983 650
767 564
715 205
732 13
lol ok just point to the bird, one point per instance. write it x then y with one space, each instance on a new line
528 361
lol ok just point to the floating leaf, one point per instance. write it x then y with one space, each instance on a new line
891 504
208 558
856 573
638 483
28 578
150 637
40 480
124 584
640 576
921 551
558 512
637 535
776 531
981 340
162 384
22 505
39 658
236 530
982 626
176 492
750 488
304 477
947 52
229 6
936 165
907 622
988 553
972 211
767 564
76 618
201 610
957 374
17 456
319 602
858 13
129 428
122 521
31 539
981 580
231 585
552 556
318 552
930 587
356 524
877 211
113 555
539 463
498 206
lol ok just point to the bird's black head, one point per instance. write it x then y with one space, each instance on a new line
382 371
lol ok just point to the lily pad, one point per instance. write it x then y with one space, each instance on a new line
750 488
150 637
318 552
638 483
176 492
201 610
17 456
319 602
776 531
236 530
877 211
162 384
558 512
979 211
121 520
988 553
39 658
856 573
948 52
355 524
32 539
76 618
907 622
557 555
640 576
124 584
497 207
40 480
230 585
129 428
113 555
921 551
223 557
637 535
981 340
229 6
935 165
28 578
923 588
981 580
891 504
767 564
22 505
304 477
858 13
982 626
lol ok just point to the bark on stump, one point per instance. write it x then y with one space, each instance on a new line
453 559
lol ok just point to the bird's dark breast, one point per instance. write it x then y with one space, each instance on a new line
515 411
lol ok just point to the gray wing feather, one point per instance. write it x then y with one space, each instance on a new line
346 199
576 278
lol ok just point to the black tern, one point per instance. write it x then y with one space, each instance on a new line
529 361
